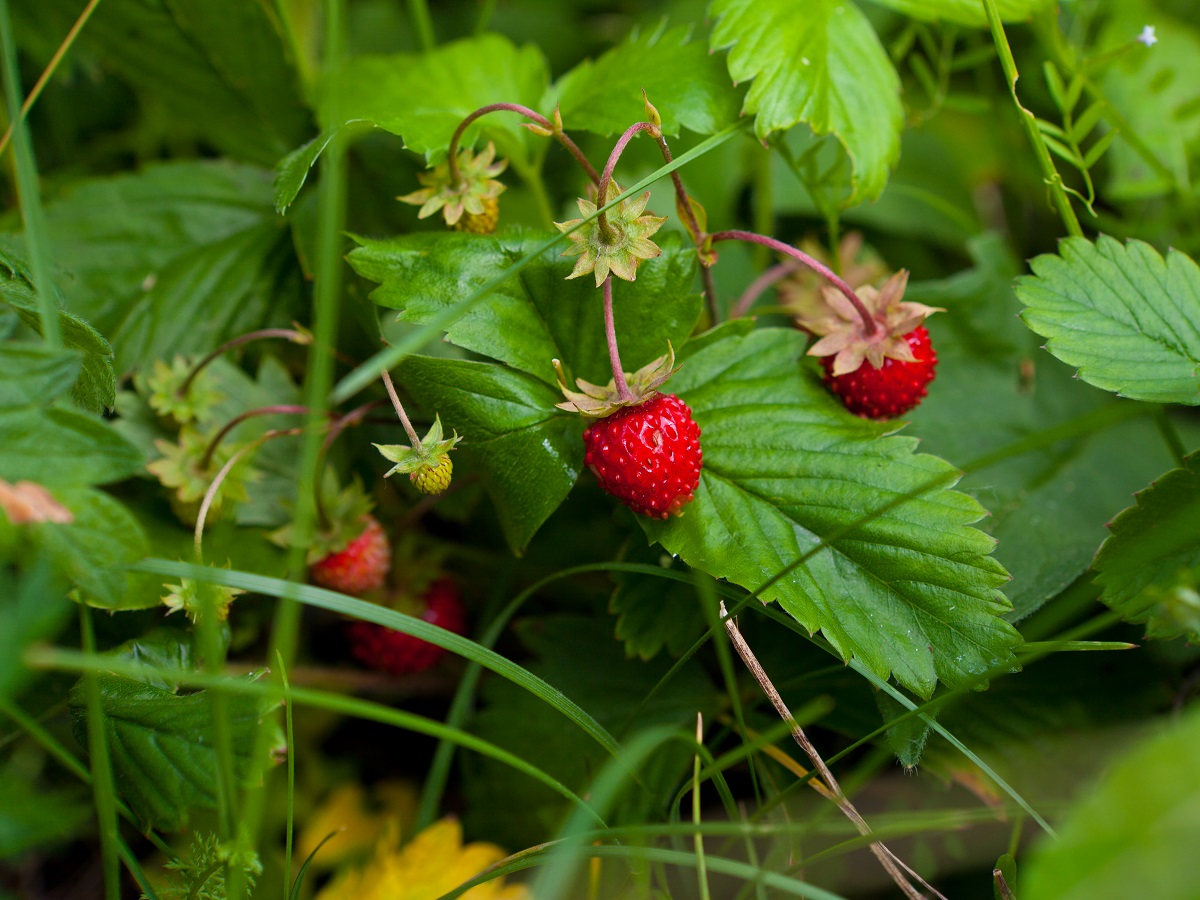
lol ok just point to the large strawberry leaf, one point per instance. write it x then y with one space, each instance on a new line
1150 566
95 388
1048 501
912 592
965 12
687 85
216 70
163 758
823 66
1125 317
422 97
66 452
529 321
527 453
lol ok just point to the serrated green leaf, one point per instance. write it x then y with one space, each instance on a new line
1134 832
164 764
94 549
825 68
216 70
207 295
687 85
423 96
96 385
531 320
1128 320
1048 504
912 592
965 12
60 448
30 373
115 236
527 453
1152 545
292 171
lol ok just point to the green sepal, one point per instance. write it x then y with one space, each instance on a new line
430 452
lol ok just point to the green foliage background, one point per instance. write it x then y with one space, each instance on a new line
921 592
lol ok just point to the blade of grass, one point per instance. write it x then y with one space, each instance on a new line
371 612
291 776
51 68
698 838
73 661
28 191
102 781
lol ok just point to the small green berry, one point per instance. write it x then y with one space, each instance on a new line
433 478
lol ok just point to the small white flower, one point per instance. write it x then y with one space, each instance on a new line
1147 36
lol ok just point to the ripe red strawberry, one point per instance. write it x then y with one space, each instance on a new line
875 351
890 390
402 654
647 456
361 567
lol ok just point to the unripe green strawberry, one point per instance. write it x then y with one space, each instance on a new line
480 223
433 478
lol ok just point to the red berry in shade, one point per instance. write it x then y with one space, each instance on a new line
647 456
361 567
890 390
393 651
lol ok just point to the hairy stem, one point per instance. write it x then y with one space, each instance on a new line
684 204
282 409
606 177
296 337
559 135
870 326
610 333
399 407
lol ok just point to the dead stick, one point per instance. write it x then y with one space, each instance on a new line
887 859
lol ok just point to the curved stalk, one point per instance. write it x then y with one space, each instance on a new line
556 131
870 326
237 420
606 177
772 276
296 337
399 407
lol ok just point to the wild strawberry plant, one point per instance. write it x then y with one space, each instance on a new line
703 502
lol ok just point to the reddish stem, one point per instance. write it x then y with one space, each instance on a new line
610 333
760 284
559 135
698 235
296 337
870 326
238 420
606 176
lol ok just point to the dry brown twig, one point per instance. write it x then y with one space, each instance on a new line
828 787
